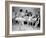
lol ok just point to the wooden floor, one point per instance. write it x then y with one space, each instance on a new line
23 28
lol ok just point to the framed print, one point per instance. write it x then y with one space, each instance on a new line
24 18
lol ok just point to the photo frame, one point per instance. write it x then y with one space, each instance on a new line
29 13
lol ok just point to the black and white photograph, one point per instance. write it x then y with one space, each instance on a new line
26 18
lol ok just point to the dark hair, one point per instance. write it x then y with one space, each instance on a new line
36 15
21 10
30 13
26 11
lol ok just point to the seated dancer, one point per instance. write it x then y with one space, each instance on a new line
20 17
